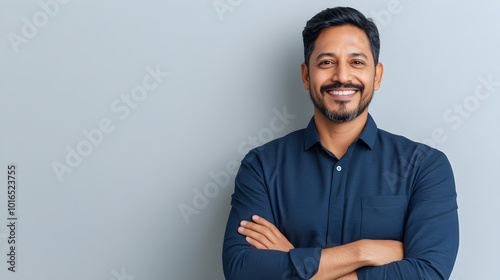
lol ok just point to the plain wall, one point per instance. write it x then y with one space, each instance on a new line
68 69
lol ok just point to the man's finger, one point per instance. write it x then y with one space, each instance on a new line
262 239
267 224
279 241
255 243
265 231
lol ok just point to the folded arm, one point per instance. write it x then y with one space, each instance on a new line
243 261
267 254
339 262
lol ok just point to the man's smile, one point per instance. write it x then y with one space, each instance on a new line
341 92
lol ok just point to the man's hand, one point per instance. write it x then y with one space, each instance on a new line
264 235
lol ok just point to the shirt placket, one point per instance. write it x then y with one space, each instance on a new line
337 202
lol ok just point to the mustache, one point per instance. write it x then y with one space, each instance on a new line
324 88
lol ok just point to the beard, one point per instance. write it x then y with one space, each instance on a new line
342 114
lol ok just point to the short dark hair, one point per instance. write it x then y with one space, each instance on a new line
336 17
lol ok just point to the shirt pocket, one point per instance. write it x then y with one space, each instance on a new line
383 217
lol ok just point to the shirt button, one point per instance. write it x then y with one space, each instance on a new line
339 168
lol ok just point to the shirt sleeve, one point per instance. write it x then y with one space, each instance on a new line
241 260
431 229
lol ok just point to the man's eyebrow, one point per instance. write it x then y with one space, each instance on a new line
359 54
324 54
333 55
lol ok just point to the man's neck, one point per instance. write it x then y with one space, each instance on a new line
336 137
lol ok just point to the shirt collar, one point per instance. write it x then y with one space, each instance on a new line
368 135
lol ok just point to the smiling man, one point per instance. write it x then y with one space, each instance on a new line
342 199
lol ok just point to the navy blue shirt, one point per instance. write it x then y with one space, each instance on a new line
384 187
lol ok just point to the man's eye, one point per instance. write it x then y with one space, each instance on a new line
358 62
326 62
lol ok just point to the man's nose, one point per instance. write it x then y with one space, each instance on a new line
342 73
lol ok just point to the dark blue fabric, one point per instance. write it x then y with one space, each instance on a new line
384 187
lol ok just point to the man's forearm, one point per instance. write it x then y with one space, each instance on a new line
344 260
351 276
339 261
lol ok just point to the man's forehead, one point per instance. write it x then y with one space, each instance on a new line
343 33
346 38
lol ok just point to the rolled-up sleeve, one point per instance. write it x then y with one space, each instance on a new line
431 230
242 261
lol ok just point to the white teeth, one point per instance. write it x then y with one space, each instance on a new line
341 92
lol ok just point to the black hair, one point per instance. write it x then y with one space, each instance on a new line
336 17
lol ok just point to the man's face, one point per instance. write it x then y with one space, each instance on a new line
341 76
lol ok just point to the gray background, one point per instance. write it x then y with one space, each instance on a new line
116 215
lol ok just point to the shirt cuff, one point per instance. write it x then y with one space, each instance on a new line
305 261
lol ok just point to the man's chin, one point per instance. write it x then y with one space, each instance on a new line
340 117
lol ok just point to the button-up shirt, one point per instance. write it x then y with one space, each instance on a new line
384 187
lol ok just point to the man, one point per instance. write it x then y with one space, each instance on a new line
342 199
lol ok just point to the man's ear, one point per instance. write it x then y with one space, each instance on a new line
379 71
305 75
